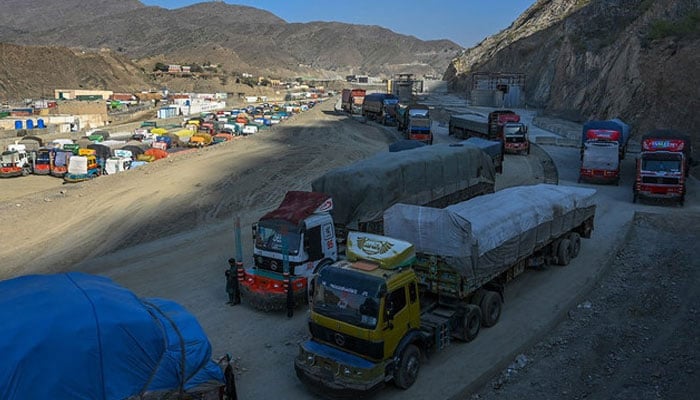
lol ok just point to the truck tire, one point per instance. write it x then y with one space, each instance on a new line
564 252
408 367
575 240
490 308
470 324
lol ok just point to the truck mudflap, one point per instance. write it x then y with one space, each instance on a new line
266 292
335 373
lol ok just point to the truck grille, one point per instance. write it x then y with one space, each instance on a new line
664 180
273 265
373 350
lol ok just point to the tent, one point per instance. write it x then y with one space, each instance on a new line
156 153
102 152
79 336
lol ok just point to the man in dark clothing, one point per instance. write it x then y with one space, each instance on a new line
234 295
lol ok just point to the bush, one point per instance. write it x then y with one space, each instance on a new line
685 27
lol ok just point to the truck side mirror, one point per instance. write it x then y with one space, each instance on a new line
388 314
254 228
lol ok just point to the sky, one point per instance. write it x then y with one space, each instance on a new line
465 22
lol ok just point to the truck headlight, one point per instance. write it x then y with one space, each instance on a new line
310 359
347 371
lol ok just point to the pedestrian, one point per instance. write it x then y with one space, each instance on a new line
234 294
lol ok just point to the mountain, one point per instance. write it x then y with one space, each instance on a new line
584 59
252 40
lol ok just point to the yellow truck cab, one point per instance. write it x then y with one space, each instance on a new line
365 319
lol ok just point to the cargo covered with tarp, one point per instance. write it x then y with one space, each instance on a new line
482 237
79 336
432 175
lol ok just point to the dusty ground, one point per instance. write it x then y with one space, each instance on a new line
634 336
165 230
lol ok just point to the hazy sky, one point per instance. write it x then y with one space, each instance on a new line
466 22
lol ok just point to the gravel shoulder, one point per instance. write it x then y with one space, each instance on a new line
634 336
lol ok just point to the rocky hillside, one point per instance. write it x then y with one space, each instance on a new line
244 39
633 59
35 71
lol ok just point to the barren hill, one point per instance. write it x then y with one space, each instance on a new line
634 59
256 40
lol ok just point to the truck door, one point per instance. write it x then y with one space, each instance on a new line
397 319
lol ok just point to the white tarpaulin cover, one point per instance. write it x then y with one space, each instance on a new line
486 234
363 190
601 156
77 165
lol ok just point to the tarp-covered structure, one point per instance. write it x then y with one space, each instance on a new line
483 236
425 176
600 156
405 144
78 336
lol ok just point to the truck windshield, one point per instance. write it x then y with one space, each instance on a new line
512 130
348 296
274 235
661 163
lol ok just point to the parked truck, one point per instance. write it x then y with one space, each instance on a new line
414 121
516 137
16 161
438 275
488 127
663 165
373 105
603 146
352 100
311 227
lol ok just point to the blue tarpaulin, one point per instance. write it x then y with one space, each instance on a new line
80 336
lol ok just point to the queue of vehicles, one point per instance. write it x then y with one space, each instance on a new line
96 153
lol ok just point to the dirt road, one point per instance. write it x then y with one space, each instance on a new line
165 230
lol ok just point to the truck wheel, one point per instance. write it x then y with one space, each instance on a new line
490 308
575 240
409 365
564 252
470 324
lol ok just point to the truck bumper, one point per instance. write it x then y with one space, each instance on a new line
332 372
599 175
266 292
516 148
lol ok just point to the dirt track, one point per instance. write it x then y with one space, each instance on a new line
165 230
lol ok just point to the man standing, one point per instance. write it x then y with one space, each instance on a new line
234 294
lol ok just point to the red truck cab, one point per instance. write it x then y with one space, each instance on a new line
662 166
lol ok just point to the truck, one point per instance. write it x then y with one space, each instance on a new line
663 165
489 127
603 146
82 167
354 198
437 275
516 137
414 121
16 161
373 105
44 161
352 100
